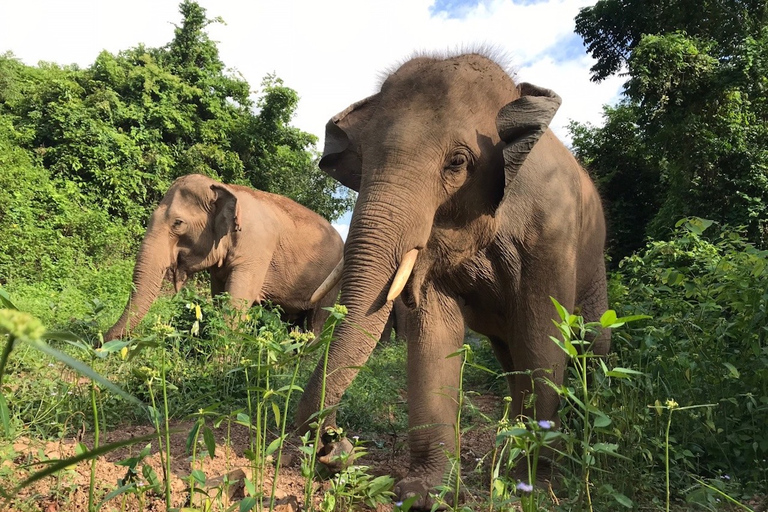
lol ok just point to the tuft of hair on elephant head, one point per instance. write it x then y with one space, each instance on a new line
257 246
473 213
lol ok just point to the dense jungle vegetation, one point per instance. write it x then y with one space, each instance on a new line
681 163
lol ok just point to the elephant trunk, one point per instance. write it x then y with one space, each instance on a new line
376 246
152 263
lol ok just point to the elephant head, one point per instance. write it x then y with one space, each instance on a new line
432 155
188 232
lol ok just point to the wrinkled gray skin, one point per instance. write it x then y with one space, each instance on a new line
257 246
455 160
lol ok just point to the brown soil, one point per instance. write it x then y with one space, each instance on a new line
68 491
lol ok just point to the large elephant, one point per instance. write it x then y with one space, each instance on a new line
472 211
257 246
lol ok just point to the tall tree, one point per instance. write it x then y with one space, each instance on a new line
695 101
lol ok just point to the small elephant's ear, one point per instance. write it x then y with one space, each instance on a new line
522 122
226 210
341 156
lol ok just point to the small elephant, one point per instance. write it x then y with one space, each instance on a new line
473 213
257 246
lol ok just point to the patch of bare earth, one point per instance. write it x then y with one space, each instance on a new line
68 490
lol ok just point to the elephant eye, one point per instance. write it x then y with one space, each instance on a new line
458 160
177 223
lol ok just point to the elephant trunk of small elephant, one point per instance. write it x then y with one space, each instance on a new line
148 277
375 248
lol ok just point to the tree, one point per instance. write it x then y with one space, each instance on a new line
695 100
99 146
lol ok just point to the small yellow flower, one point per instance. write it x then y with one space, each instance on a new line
198 313
671 404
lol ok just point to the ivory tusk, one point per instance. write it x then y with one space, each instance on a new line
333 278
402 275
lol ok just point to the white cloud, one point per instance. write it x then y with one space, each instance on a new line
343 229
332 52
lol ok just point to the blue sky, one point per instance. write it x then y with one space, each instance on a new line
332 52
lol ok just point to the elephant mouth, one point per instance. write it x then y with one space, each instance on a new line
176 276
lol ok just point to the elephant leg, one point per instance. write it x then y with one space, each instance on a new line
245 288
434 332
536 359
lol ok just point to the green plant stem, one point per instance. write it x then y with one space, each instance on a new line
494 475
581 364
320 418
92 483
167 436
666 455
282 434
457 432
194 458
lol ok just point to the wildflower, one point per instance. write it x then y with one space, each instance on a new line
398 503
21 326
671 404
546 424
524 487
340 309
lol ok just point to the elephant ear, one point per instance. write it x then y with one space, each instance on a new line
522 122
226 211
341 156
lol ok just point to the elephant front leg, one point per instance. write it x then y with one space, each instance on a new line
434 332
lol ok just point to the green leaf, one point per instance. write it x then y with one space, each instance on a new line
210 441
192 436
623 500
561 311
198 476
276 412
247 503
243 419
733 371
698 225
5 300
601 420
622 373
86 370
5 416
608 318
273 446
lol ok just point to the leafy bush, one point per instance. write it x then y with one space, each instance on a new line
707 343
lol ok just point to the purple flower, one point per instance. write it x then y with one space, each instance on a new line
546 424
522 486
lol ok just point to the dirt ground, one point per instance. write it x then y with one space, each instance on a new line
387 455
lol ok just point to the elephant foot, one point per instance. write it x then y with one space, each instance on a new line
547 474
424 491
335 453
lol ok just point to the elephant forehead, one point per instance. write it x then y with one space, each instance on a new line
454 81
189 195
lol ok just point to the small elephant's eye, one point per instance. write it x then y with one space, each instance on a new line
177 223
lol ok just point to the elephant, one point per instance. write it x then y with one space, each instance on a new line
473 213
257 246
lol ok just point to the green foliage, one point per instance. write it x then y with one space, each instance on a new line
707 344
86 154
612 29
688 137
